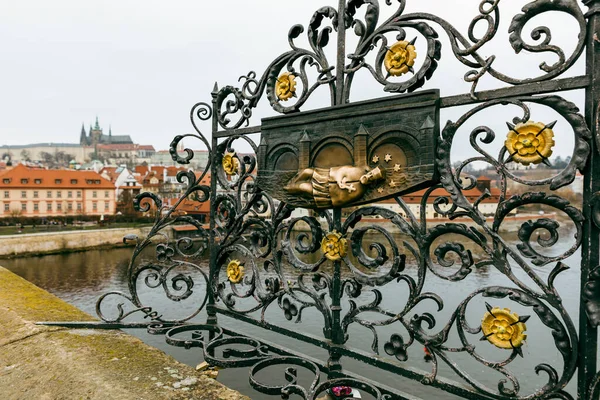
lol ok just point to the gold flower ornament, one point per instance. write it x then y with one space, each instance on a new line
334 246
235 271
530 142
504 329
230 164
400 58
285 87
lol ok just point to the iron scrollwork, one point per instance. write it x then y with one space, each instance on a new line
264 261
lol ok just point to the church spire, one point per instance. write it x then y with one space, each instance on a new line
109 134
97 127
83 136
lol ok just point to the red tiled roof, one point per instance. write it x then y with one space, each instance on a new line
24 177
471 195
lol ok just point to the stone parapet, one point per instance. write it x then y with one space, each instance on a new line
40 362
64 242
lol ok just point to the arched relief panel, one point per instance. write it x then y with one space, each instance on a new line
350 155
332 152
283 157
388 141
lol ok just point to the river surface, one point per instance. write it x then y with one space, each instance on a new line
80 278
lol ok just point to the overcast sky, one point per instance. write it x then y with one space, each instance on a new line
140 65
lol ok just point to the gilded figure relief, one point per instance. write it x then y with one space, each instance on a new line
351 155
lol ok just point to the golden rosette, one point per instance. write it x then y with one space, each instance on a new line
400 58
235 271
334 246
230 164
503 329
285 87
530 142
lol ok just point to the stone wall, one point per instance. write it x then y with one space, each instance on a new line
41 362
58 242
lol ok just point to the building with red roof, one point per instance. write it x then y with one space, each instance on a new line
40 192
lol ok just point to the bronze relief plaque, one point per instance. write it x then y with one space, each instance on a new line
353 154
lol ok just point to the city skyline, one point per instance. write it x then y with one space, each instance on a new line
141 69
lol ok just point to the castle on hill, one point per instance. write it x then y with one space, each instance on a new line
96 136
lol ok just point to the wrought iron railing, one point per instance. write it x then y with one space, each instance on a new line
264 259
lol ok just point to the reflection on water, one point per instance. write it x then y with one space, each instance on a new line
80 278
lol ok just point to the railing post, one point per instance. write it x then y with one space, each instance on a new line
212 315
341 56
337 334
588 335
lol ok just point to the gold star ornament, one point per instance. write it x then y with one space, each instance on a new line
400 58
397 168
235 271
285 87
530 142
375 159
388 157
334 246
230 164
503 329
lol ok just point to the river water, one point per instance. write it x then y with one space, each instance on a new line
80 278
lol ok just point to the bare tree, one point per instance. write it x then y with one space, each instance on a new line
25 155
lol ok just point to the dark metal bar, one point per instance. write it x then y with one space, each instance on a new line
234 132
577 82
106 325
212 316
414 374
341 54
557 85
275 348
590 251
325 344
337 332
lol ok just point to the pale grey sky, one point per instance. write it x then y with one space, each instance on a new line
140 65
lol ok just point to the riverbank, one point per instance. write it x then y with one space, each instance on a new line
36 244
57 228
40 362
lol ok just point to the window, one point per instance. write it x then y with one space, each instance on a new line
58 194
23 206
48 206
94 194
6 180
106 194
6 195
79 193
36 207
59 206
73 181
70 194
97 182
58 181
24 180
23 194
78 206
70 206
49 194
6 207
35 194
38 181
95 206
106 206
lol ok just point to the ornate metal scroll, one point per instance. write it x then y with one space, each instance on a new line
263 259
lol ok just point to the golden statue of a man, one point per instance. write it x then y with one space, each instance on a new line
333 187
